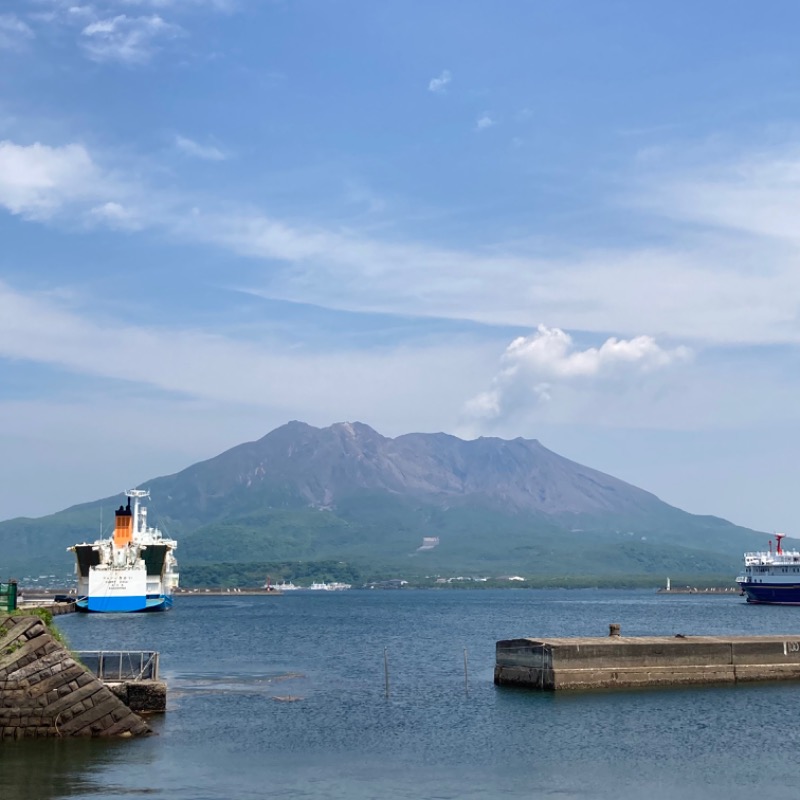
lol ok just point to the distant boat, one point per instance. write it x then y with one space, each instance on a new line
329 587
285 587
772 577
133 570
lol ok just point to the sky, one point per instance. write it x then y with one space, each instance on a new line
569 221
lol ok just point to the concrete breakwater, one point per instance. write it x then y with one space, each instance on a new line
624 662
54 608
45 692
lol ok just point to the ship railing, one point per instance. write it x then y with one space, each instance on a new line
759 558
121 665
767 559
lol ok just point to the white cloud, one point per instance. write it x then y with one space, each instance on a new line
754 195
201 151
217 5
484 121
116 215
77 336
13 32
128 40
37 180
704 287
550 353
533 367
440 84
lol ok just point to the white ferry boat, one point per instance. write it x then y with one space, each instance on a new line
329 587
772 577
134 570
286 587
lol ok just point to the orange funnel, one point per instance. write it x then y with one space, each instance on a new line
123 530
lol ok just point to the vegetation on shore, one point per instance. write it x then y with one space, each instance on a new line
231 575
43 615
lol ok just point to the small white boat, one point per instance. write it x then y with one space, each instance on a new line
330 587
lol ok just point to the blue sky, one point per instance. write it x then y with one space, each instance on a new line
569 221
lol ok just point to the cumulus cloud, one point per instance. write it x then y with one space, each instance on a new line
532 368
13 32
484 121
439 84
127 40
202 151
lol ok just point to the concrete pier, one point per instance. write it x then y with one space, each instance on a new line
618 662
54 608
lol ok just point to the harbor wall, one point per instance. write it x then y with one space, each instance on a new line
52 608
625 662
45 692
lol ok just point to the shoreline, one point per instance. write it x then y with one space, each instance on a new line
55 595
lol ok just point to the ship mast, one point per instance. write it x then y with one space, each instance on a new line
137 494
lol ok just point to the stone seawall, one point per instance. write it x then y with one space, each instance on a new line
624 662
44 691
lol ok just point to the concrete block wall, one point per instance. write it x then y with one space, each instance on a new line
45 692
617 662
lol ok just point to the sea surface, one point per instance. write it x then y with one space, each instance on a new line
286 697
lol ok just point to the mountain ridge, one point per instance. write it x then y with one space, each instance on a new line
346 493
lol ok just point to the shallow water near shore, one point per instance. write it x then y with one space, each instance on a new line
286 697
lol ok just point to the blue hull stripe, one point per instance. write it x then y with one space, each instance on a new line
786 593
130 604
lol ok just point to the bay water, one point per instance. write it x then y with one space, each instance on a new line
286 697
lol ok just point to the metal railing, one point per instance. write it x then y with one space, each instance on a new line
121 665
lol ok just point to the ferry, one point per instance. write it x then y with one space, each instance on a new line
329 587
133 570
772 576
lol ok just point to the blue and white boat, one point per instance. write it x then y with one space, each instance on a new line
133 570
772 576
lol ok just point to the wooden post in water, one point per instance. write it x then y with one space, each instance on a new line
386 670
466 678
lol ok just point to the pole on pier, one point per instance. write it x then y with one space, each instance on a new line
386 670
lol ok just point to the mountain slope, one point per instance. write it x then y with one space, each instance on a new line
347 493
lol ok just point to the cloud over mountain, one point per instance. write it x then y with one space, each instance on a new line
532 367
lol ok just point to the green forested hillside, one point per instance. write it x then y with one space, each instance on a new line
348 497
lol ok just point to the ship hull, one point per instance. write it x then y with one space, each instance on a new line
774 594
123 605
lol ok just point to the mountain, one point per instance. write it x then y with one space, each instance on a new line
413 505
